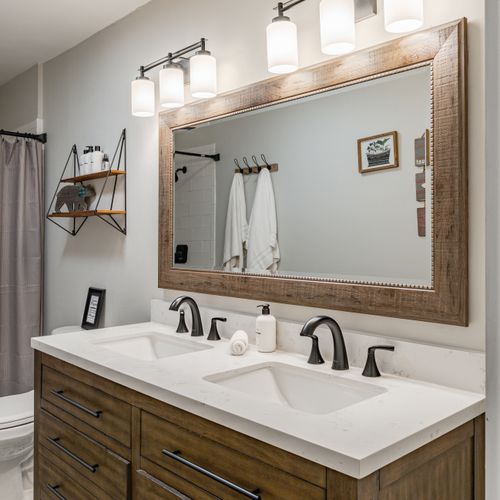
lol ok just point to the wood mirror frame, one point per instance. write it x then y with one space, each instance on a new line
446 301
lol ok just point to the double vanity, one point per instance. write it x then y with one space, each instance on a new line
143 412
140 411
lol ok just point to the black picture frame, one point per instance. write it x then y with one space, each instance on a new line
93 308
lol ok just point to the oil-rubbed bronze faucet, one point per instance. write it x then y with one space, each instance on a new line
197 329
340 361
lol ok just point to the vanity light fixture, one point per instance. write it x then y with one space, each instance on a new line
337 26
143 96
171 85
282 44
402 16
203 75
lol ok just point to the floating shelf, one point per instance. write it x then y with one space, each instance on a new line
94 175
86 213
110 178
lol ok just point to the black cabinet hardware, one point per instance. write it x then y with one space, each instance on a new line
53 490
59 446
371 368
76 404
254 495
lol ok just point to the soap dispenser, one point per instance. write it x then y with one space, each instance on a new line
265 329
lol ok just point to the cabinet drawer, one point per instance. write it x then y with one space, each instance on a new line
153 488
55 485
220 470
96 408
97 464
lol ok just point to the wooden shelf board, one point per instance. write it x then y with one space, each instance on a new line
94 175
86 213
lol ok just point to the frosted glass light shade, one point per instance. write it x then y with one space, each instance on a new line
203 75
282 46
143 97
401 16
337 23
172 86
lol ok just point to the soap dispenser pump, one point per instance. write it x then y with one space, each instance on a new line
265 329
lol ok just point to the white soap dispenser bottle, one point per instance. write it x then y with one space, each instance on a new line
265 329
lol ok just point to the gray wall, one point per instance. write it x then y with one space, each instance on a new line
86 99
331 219
19 100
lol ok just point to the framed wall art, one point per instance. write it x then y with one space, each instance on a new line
378 152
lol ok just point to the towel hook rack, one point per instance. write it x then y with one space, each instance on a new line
254 159
248 169
263 156
237 163
245 161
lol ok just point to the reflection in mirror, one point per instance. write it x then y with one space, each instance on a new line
348 197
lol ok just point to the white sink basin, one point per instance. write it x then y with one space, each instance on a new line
298 388
150 346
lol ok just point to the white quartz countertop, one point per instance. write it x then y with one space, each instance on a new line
355 440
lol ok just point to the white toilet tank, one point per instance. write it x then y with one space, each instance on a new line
66 329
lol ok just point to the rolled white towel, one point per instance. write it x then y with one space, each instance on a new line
238 343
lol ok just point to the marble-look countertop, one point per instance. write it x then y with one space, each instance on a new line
355 440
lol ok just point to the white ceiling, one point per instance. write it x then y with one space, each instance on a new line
34 31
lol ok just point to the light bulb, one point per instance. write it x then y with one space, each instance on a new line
203 75
337 23
401 16
143 97
172 86
282 46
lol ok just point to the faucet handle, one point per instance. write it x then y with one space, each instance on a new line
214 334
315 357
371 368
182 327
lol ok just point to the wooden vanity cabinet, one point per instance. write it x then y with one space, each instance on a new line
102 440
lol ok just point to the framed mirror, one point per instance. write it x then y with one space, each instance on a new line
354 169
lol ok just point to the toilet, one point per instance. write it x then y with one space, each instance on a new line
16 440
16 446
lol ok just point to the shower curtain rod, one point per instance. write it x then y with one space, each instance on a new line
37 137
215 157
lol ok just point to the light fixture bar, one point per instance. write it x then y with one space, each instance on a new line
284 6
363 8
173 55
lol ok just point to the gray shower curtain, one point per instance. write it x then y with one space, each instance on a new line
21 261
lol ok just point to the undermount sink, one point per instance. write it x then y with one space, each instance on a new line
298 388
150 346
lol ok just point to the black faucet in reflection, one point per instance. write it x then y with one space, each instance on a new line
197 329
340 361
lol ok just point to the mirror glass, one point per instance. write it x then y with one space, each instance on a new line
344 191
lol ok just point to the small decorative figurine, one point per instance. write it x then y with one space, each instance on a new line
76 198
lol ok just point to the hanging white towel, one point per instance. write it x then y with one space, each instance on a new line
236 227
263 250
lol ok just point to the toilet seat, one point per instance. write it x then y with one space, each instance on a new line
16 410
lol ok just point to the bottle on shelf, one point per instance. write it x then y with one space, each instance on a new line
105 162
97 159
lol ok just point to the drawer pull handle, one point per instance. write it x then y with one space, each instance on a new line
53 490
59 446
254 495
76 404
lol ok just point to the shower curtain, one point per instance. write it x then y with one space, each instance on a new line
21 261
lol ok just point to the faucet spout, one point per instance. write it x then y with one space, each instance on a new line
340 361
197 329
